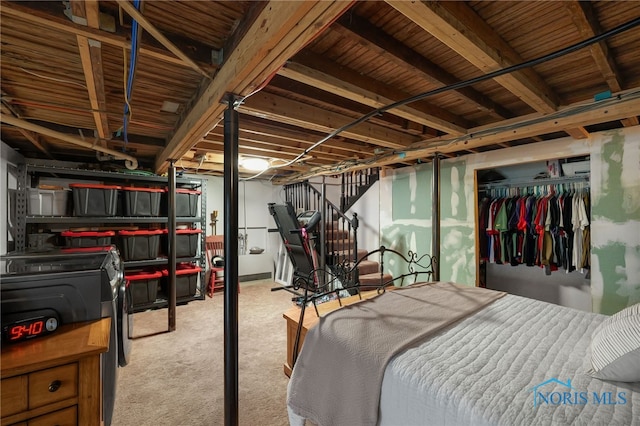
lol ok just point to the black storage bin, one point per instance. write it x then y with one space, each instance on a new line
186 280
87 238
187 202
94 199
142 201
140 245
143 286
187 242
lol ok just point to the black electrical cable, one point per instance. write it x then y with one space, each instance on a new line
455 86
493 130
570 49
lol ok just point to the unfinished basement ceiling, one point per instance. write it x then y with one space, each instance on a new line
303 69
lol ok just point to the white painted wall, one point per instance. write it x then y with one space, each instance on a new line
332 187
253 197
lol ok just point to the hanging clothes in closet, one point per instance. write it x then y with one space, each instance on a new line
545 226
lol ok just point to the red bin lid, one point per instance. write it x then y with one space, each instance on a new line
143 275
135 188
141 232
182 269
76 234
93 186
187 191
188 231
85 249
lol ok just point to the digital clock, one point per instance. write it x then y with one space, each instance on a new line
29 325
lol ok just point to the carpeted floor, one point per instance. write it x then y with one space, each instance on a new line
178 378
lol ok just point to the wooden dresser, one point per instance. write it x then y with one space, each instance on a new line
55 380
292 316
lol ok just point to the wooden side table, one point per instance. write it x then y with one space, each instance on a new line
55 379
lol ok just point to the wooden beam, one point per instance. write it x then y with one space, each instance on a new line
533 125
132 162
37 142
91 58
271 148
577 132
585 19
355 27
92 10
216 148
276 34
282 133
260 145
354 86
151 29
347 107
300 114
518 128
461 29
15 10
30 136
630 121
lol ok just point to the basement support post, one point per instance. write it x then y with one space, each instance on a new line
171 200
435 216
231 263
323 230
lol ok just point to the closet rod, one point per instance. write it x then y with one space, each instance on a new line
514 183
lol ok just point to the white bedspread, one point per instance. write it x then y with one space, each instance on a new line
483 371
350 348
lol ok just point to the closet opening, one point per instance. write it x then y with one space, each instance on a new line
533 233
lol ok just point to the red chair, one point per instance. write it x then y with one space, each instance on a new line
214 245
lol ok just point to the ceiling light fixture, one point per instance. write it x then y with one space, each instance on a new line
254 164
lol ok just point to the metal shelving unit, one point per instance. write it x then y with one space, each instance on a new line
110 219
35 172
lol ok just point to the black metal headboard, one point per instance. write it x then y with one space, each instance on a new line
340 280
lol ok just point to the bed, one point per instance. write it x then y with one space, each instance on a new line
511 361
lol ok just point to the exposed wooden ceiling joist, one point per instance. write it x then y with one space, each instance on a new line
119 39
355 27
335 72
461 29
300 114
269 148
30 136
535 124
517 128
458 27
349 84
585 19
148 26
91 57
276 34
299 137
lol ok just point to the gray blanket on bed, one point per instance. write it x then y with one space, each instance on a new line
338 375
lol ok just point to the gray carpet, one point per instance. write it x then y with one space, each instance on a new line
178 378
